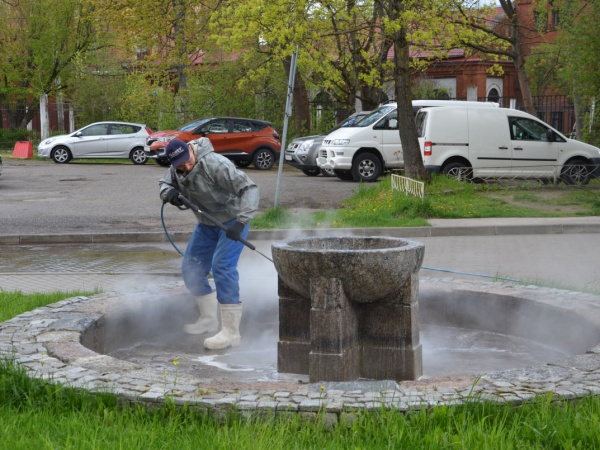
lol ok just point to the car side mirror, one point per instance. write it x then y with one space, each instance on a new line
550 136
78 134
393 124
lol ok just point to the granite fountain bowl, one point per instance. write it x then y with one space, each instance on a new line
369 268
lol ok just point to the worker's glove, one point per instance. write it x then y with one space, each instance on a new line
235 231
173 197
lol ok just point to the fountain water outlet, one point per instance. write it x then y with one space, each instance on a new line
348 308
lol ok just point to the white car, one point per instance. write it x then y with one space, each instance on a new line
370 147
98 140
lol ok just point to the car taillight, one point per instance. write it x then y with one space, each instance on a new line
427 148
148 130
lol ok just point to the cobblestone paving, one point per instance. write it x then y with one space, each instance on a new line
47 343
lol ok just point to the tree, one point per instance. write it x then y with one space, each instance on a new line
573 57
483 32
340 47
165 35
40 41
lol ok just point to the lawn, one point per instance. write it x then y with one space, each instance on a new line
377 205
44 415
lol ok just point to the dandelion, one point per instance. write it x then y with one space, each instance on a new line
175 361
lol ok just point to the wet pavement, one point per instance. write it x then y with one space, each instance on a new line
552 252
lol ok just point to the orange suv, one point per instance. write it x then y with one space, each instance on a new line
244 141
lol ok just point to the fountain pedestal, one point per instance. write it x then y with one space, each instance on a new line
348 308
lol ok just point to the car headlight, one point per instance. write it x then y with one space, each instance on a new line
48 141
305 146
166 139
339 142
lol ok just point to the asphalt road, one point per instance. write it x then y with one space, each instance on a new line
39 197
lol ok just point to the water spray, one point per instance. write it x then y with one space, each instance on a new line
190 205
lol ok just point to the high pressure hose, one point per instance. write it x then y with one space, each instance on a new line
162 219
189 205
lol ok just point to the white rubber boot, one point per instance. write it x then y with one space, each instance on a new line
229 336
207 322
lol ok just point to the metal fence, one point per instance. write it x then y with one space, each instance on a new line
558 111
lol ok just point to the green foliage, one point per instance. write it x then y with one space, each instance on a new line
8 138
40 41
570 62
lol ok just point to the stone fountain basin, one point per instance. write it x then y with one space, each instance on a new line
369 268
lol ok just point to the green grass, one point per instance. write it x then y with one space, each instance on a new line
37 414
13 303
376 205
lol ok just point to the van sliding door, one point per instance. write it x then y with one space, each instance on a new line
533 154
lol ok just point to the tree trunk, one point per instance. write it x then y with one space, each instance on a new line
524 81
413 162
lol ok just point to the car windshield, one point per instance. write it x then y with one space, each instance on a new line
375 116
350 121
193 125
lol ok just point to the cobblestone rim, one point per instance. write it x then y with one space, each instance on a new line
46 342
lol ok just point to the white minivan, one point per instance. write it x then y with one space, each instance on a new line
498 142
363 151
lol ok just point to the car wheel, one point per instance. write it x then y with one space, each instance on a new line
61 155
459 171
311 172
327 172
366 167
243 163
263 159
345 175
575 172
138 156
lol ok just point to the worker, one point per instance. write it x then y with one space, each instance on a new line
216 187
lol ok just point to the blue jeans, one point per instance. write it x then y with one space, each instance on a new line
209 249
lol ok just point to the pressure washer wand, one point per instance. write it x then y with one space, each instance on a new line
207 216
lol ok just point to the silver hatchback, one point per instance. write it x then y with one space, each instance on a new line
301 153
98 140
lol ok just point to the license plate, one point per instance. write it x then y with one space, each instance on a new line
288 157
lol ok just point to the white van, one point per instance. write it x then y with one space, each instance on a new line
495 142
362 152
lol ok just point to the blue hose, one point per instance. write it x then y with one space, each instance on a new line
162 219
471 274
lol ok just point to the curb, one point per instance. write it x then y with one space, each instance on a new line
552 227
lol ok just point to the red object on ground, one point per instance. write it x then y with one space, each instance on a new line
23 149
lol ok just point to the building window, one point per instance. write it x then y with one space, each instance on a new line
141 53
493 95
540 20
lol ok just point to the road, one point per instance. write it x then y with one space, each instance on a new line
38 197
